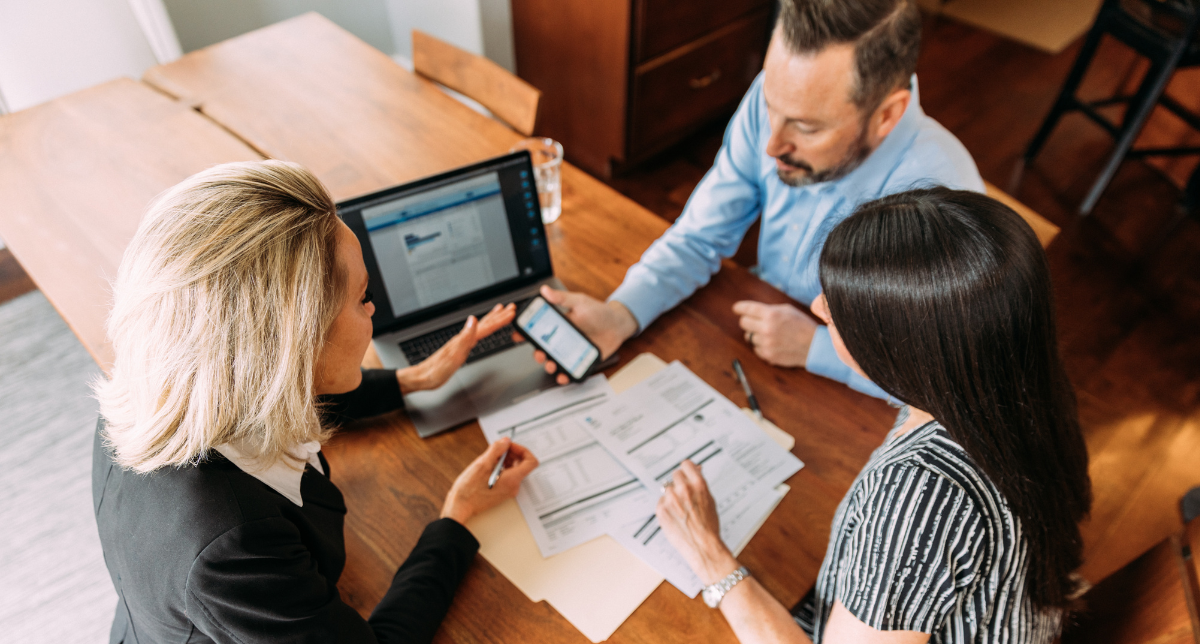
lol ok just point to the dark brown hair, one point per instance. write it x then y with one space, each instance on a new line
943 298
886 36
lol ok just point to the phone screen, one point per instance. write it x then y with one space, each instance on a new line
555 335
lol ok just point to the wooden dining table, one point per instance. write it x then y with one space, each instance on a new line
304 90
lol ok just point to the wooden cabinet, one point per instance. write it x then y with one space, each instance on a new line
621 80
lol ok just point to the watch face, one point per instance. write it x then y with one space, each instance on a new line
712 596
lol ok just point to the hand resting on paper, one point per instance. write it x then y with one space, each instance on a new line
470 494
688 516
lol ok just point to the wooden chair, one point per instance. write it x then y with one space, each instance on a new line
509 98
1152 600
1045 231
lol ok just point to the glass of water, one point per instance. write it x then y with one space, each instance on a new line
547 155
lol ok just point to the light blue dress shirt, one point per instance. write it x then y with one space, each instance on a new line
743 185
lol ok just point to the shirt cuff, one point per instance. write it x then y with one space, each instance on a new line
823 360
641 302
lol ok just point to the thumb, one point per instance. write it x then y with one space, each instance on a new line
554 296
495 451
469 327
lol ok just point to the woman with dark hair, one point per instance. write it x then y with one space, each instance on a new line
963 525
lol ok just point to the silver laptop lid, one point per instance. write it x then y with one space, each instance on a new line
450 242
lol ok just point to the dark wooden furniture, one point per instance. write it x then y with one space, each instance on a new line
307 91
621 80
1150 601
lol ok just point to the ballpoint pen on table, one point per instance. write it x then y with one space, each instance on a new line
741 376
496 470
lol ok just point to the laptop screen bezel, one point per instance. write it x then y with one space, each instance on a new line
384 321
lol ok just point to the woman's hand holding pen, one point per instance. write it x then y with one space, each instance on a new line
470 493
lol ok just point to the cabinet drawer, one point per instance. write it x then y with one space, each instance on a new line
679 91
663 25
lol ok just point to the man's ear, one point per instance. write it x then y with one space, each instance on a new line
887 115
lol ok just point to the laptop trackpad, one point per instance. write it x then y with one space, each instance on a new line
507 376
476 389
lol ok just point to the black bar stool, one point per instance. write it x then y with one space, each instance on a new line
1163 31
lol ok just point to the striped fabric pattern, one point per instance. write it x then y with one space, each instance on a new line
924 542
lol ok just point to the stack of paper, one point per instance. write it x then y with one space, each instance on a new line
675 416
604 454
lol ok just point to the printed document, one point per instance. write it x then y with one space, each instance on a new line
578 491
674 416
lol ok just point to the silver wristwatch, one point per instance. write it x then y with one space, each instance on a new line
715 593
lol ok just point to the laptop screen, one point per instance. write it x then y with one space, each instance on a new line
449 241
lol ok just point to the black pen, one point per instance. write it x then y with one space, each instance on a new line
741 376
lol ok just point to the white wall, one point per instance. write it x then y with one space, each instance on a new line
201 23
478 26
53 47
49 48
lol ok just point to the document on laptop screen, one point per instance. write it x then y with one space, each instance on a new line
436 245
578 491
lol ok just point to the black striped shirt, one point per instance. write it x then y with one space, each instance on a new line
924 542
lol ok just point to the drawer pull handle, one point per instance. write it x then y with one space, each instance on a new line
700 82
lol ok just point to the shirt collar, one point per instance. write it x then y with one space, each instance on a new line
282 476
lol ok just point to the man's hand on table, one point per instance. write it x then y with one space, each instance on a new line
434 371
606 324
779 333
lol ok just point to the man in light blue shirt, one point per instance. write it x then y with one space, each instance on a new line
834 120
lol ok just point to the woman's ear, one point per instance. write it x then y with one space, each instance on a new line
820 308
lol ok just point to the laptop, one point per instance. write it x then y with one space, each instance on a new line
441 249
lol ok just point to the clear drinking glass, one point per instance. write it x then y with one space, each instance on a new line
547 155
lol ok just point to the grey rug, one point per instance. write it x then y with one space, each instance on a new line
53 583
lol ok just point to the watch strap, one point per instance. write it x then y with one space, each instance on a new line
716 592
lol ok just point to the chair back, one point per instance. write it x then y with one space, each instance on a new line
511 99
1045 231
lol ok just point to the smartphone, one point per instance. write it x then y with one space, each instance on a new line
554 334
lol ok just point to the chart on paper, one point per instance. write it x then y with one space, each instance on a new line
675 416
578 491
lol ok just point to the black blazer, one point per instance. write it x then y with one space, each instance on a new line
208 553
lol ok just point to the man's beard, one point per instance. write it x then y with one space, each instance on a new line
854 158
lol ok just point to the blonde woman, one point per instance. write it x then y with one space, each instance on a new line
240 317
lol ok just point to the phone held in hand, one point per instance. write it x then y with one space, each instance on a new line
550 331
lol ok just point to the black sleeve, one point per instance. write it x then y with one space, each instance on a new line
421 592
258 582
379 393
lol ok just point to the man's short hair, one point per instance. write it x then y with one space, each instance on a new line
886 35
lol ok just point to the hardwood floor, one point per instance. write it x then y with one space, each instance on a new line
1128 300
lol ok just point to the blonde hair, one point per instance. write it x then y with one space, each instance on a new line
220 311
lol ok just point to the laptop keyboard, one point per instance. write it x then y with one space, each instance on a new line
419 348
